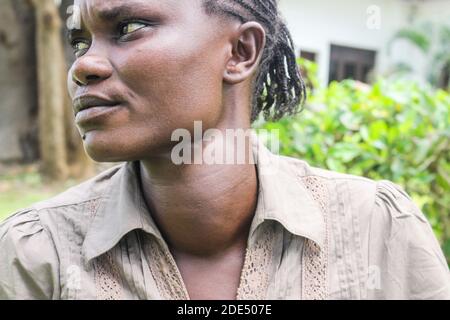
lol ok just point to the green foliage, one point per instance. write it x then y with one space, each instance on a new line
420 38
395 130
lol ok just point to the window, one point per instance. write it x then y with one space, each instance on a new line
351 63
311 56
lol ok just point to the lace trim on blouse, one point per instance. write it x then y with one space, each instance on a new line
165 272
107 278
255 275
315 259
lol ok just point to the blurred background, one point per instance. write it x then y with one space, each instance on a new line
378 75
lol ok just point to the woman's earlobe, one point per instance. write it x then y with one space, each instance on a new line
247 51
235 74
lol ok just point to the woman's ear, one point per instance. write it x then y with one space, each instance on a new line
248 47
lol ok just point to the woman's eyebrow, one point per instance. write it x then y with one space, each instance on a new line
105 15
111 14
115 12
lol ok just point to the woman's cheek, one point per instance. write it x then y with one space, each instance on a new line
169 82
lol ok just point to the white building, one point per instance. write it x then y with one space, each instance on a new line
350 37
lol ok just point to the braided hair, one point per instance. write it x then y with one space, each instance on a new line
279 89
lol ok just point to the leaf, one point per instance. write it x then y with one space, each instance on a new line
345 152
377 130
416 37
443 179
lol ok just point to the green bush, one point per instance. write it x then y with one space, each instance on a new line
394 129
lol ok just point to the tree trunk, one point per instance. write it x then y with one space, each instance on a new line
51 91
18 124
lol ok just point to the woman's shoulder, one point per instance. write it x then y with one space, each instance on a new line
382 201
377 206
381 223
358 193
33 239
43 219
29 268
24 223
23 235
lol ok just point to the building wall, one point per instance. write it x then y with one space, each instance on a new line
436 10
315 24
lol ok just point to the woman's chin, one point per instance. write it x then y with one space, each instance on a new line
104 148
101 155
121 146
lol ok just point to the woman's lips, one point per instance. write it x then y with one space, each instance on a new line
93 108
96 113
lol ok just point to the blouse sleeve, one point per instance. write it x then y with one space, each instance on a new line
404 252
29 262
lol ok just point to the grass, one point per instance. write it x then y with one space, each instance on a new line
10 202
22 186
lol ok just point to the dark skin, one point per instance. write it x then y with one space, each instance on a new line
171 65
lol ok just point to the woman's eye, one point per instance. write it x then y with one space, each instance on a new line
131 27
80 46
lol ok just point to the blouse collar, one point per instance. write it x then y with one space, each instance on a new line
282 198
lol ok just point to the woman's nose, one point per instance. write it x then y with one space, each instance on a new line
90 69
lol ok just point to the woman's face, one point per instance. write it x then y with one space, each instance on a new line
151 67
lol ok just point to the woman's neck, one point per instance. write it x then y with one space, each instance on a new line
203 209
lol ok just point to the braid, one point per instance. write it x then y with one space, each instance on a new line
279 89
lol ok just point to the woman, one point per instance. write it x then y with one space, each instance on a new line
154 229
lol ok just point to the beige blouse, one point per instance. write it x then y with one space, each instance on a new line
316 234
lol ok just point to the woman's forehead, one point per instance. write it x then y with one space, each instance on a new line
110 9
